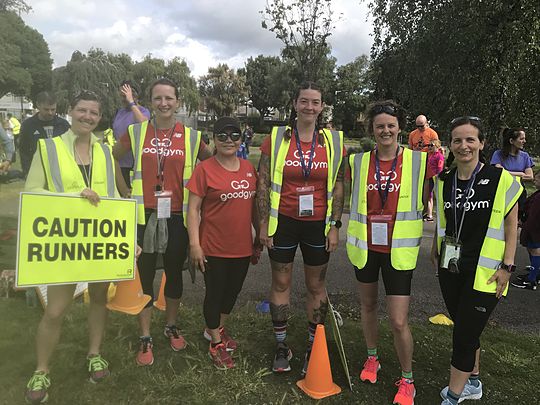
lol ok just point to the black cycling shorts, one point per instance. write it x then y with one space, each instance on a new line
308 234
396 282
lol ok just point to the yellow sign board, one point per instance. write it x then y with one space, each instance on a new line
65 240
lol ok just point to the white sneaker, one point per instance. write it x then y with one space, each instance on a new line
469 392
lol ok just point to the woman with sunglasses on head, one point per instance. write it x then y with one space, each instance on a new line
165 152
222 198
87 170
300 201
384 234
474 249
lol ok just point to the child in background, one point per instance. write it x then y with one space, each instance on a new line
436 165
530 238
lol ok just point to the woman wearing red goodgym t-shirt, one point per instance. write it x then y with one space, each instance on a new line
301 217
162 169
222 196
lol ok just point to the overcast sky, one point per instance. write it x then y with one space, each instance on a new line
202 32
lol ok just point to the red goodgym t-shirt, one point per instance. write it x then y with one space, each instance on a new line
171 146
374 202
293 178
227 206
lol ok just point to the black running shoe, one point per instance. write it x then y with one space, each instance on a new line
281 359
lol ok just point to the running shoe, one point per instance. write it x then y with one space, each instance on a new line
145 356
469 392
306 362
282 358
176 340
36 389
221 357
98 368
370 370
226 339
406 392
524 283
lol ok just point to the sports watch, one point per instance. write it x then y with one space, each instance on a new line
336 223
510 268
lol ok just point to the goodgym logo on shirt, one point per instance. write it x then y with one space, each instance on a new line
469 205
384 180
297 163
163 148
241 191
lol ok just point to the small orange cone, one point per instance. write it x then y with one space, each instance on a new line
160 303
129 297
318 383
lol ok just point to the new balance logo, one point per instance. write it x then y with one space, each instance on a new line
483 182
480 309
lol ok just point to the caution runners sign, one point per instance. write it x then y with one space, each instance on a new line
64 239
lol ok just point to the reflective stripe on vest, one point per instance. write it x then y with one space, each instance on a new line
278 153
137 134
55 155
492 251
407 232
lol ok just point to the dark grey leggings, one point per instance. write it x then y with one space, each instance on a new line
470 311
223 278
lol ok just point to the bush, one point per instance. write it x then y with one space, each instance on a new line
257 139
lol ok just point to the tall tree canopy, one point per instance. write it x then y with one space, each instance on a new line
223 90
446 58
304 27
25 63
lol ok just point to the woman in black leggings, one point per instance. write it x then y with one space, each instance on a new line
220 216
474 249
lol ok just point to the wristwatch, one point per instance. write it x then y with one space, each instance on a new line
510 268
335 222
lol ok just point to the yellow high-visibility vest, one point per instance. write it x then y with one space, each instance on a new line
137 134
407 233
492 251
278 153
63 174
16 126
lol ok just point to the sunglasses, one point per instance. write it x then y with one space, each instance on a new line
222 136
420 126
465 118
388 109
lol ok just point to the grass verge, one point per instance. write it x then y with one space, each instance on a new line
510 362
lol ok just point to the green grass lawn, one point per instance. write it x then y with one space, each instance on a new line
510 362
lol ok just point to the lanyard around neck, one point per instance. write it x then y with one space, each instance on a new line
305 170
384 194
160 157
467 194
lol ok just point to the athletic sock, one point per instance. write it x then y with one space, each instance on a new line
474 380
214 345
372 353
280 330
535 264
407 375
453 397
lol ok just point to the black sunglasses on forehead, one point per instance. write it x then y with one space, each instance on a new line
465 117
388 109
222 136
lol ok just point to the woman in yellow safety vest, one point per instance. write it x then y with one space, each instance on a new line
384 234
73 163
300 201
165 152
474 249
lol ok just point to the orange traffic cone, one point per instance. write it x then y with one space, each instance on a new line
160 303
318 383
129 297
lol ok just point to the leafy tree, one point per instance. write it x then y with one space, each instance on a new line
18 6
453 57
352 93
223 90
25 65
304 27
265 78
